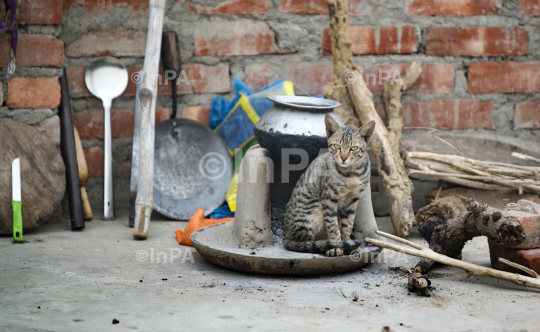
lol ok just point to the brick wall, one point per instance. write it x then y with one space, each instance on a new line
481 61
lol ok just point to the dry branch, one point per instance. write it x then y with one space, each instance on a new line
343 64
472 269
391 97
349 88
447 232
474 173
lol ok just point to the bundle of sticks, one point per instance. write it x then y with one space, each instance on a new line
476 174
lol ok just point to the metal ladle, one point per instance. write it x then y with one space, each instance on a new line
107 78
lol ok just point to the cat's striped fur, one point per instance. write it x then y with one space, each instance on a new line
320 214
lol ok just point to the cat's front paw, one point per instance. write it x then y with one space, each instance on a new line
334 252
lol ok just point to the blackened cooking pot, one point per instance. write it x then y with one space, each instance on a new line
294 131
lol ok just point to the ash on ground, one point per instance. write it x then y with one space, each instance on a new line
277 219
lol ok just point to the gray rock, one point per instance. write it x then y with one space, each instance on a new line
43 178
252 218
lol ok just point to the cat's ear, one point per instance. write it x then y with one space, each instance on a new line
366 131
331 125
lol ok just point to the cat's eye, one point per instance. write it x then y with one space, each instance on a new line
337 146
354 148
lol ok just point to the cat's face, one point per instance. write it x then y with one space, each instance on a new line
347 145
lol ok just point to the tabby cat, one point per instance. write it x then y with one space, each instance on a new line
320 214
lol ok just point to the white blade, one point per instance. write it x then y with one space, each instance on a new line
16 179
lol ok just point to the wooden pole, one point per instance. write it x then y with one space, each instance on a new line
144 204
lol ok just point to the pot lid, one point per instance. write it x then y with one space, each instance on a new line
304 102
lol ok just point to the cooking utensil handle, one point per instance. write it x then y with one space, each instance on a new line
17 221
108 198
83 175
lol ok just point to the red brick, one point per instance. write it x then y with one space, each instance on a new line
477 41
136 6
237 7
308 77
90 122
315 7
34 51
202 79
40 12
33 92
118 42
449 114
527 115
76 83
197 113
506 76
51 128
388 40
435 78
94 161
530 7
240 37
526 257
162 114
312 78
453 7
206 79
531 226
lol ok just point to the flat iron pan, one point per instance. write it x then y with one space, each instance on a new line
186 151
217 244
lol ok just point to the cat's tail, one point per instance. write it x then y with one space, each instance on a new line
321 247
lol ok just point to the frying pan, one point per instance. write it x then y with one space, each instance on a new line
192 169
192 166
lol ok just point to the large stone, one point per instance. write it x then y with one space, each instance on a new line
42 175
252 218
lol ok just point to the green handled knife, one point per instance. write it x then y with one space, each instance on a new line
16 203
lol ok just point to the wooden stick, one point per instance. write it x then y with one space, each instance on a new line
519 267
524 157
427 155
472 269
83 176
398 239
410 162
144 204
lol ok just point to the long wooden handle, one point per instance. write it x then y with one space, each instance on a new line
83 176
87 209
144 203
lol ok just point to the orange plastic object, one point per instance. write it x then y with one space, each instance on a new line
195 222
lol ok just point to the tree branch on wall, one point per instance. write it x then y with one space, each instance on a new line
349 88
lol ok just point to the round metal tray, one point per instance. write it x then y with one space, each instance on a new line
181 181
217 244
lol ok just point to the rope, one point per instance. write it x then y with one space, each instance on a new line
8 25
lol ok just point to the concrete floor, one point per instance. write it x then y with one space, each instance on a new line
59 280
